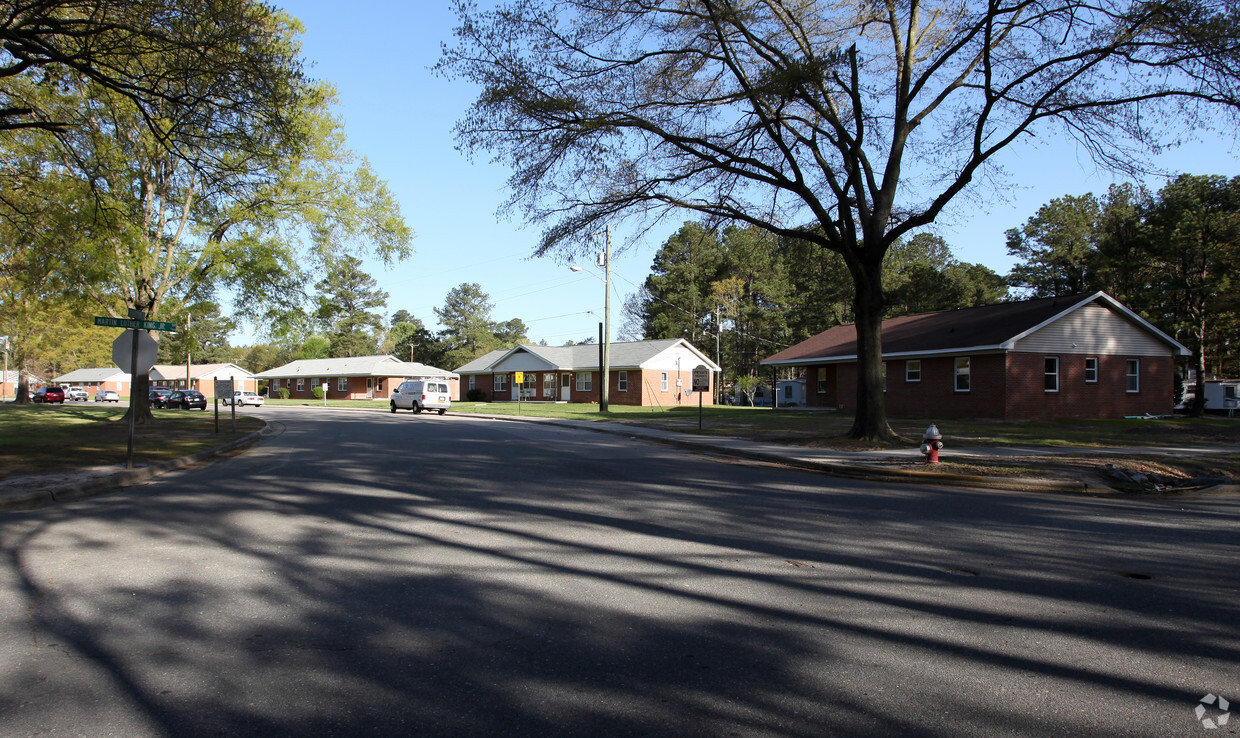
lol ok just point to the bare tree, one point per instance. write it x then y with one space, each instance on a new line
849 125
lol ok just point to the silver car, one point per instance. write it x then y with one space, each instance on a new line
243 398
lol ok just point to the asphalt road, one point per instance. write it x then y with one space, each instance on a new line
368 573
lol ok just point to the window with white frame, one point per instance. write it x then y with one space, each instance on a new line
301 383
663 381
549 386
499 383
1133 376
472 382
1050 374
585 381
912 370
962 374
622 382
1091 369
342 384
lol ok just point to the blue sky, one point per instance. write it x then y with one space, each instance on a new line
399 115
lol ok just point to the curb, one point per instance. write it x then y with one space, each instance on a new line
108 481
850 471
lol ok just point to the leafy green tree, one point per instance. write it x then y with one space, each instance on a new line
314 347
347 300
678 303
403 316
1194 232
1057 248
466 317
201 335
163 227
178 62
802 118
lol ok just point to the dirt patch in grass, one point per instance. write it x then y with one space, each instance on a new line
55 439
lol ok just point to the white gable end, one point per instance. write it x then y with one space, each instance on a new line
1093 330
677 358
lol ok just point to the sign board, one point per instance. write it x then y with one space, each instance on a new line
122 352
223 388
518 377
701 378
146 325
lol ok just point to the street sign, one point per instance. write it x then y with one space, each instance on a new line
146 325
122 352
701 378
518 377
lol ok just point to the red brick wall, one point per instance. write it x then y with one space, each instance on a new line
1107 398
1009 387
644 388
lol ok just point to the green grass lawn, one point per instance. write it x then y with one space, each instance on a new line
50 438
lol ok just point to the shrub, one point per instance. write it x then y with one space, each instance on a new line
318 391
476 395
283 393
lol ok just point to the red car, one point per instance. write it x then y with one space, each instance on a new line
50 394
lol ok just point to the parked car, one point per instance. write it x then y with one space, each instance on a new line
159 396
50 394
76 394
186 399
420 395
107 396
243 398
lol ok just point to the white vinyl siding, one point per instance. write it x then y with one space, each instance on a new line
1093 330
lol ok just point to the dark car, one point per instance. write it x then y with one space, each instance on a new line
186 399
50 394
159 396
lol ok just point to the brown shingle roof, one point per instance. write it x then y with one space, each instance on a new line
988 326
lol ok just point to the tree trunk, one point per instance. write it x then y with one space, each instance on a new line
1198 408
139 400
870 422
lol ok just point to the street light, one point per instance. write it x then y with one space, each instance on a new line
604 261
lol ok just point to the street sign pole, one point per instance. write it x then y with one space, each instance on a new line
133 364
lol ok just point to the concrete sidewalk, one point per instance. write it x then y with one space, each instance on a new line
890 465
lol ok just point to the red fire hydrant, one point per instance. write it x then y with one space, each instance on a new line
931 442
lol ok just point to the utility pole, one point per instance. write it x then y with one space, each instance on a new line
603 395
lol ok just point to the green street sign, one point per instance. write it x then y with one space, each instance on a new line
146 325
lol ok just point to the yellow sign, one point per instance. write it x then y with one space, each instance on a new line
518 377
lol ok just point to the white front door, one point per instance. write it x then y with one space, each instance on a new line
566 383
370 388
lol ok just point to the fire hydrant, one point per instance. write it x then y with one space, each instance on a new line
931 442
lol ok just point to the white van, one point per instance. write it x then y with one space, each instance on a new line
422 394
